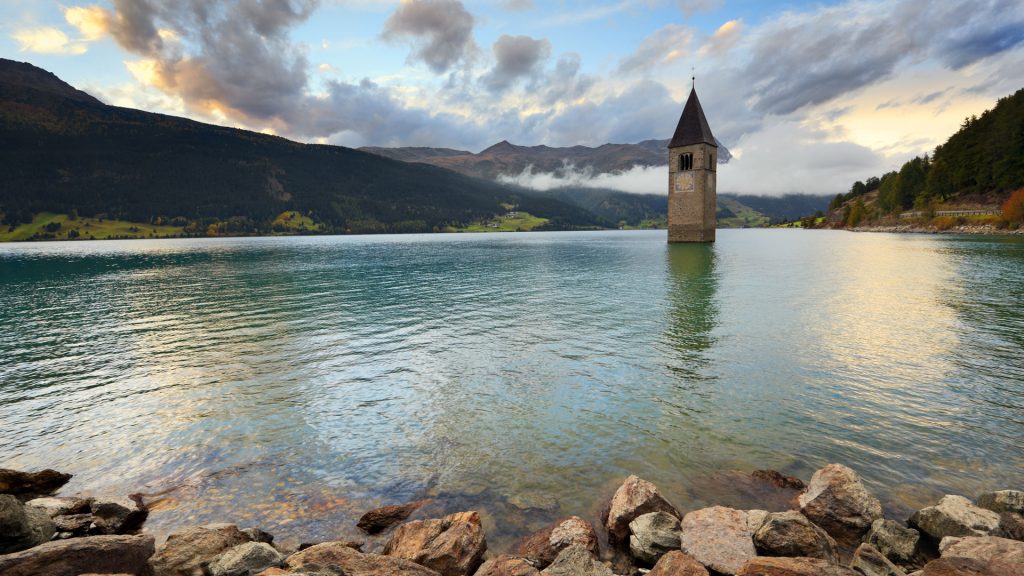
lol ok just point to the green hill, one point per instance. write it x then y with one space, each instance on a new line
64 152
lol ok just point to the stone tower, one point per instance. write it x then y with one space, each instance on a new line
691 177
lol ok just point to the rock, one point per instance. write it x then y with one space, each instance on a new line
772 566
31 483
353 544
956 567
676 563
792 534
634 498
955 516
352 562
720 538
1011 525
544 546
380 519
246 559
507 566
653 535
96 554
118 515
453 545
870 562
258 535
73 524
63 506
778 480
188 549
989 550
22 526
837 500
576 561
1003 501
896 542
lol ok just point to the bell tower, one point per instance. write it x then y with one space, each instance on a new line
691 177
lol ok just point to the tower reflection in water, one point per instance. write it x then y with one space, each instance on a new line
692 309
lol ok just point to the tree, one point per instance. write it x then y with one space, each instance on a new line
1013 208
856 213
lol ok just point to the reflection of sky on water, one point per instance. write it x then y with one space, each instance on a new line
293 383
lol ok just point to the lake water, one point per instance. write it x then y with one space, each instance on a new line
293 383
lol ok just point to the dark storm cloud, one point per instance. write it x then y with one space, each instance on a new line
441 31
516 57
805 59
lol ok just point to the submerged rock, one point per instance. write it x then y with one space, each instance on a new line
380 519
896 542
653 535
505 565
792 534
576 561
778 480
720 538
772 566
837 500
870 562
955 516
31 483
92 554
352 562
634 498
545 545
677 563
453 545
118 515
22 526
188 549
246 559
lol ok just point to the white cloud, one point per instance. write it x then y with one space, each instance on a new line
47 40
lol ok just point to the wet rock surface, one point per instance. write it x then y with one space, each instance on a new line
792 534
118 515
22 526
40 483
720 538
778 479
652 536
634 498
837 501
380 519
955 516
545 545
453 545
93 554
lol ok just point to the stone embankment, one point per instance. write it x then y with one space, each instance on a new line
916 229
835 527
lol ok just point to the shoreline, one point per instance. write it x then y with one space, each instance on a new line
830 525
956 230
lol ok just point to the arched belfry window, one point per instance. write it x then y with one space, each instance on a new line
686 161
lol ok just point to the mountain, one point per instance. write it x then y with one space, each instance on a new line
506 159
64 151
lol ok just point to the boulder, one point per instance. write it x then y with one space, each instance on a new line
258 535
634 498
776 566
544 546
22 526
1003 501
676 563
718 537
896 542
188 549
95 554
31 483
989 550
955 516
507 566
118 515
246 559
778 480
453 545
351 562
72 525
653 535
792 534
870 562
837 500
1011 525
380 519
62 506
576 561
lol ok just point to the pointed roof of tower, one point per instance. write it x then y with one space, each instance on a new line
693 126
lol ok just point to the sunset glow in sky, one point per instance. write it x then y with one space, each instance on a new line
808 96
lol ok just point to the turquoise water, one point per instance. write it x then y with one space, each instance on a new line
293 383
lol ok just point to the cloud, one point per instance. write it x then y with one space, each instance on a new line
91 21
47 40
636 180
517 57
441 31
662 46
723 39
691 7
517 5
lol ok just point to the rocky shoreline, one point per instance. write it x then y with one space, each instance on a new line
835 527
914 229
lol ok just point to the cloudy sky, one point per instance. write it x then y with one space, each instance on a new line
808 96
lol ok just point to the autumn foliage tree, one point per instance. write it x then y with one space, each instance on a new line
1013 208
